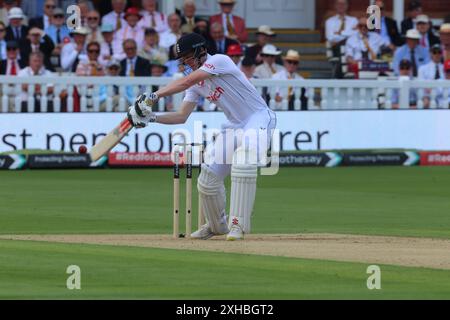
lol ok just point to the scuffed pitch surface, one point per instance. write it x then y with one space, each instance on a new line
412 252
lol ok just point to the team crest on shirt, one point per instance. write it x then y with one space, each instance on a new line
216 94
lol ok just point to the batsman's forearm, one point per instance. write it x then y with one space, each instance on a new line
171 118
174 87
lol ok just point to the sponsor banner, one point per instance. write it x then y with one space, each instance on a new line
305 131
381 159
12 162
329 159
439 158
140 159
56 161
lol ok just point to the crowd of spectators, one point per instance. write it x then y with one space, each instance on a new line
417 51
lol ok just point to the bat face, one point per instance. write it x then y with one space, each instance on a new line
111 140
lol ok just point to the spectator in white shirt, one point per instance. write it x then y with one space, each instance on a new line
36 68
434 70
363 45
269 67
107 52
131 30
152 18
152 49
291 62
75 51
116 17
93 25
341 26
171 36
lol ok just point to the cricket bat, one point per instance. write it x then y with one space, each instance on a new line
111 140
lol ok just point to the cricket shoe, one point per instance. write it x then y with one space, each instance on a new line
205 232
236 233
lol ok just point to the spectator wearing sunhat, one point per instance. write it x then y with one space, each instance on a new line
428 39
131 30
74 51
264 36
235 53
151 18
444 33
16 31
233 25
291 62
38 41
411 51
269 66
107 52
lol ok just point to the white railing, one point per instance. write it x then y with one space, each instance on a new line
116 93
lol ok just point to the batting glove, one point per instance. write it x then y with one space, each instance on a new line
138 121
143 104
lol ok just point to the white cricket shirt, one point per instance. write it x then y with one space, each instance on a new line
229 89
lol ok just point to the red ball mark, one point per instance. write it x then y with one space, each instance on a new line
82 149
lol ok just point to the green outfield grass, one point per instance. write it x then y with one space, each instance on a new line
393 201
379 201
30 270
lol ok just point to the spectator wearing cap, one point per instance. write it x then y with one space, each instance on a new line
152 18
444 33
233 25
93 25
364 45
434 70
131 30
389 28
38 41
340 27
12 64
2 41
414 9
16 30
423 25
107 52
58 30
291 62
235 53
219 43
189 19
36 68
411 51
405 74
269 67
74 51
152 49
40 14
248 67
171 36
264 36
116 16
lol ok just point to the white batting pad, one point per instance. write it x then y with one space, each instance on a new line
243 192
213 199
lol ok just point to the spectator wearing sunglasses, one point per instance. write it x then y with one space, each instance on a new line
43 18
58 30
269 67
291 62
434 70
93 25
364 45
92 66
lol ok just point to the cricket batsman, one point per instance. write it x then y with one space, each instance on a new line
218 79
